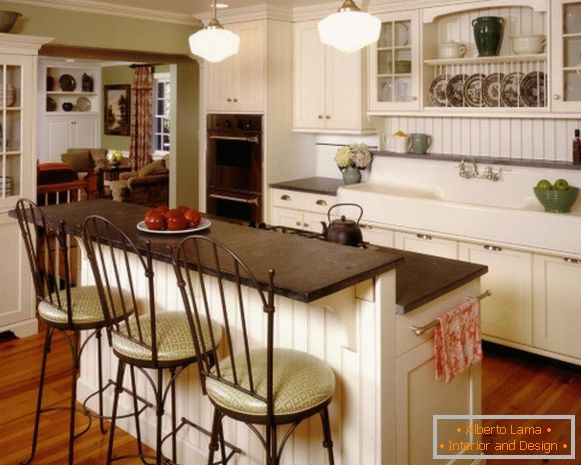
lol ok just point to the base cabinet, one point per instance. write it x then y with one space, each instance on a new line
64 132
428 244
507 314
377 235
557 304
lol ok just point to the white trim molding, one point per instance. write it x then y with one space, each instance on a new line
250 13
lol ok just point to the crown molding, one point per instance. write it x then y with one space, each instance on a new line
250 13
111 9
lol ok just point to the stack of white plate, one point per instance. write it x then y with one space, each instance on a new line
8 181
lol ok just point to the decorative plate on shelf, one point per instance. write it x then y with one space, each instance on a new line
532 89
67 83
50 104
204 224
83 104
455 90
473 90
491 89
438 90
510 89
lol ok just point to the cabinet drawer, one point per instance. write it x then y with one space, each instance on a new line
305 201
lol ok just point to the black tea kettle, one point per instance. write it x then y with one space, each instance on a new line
343 231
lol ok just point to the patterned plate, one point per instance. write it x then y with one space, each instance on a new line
438 90
455 90
490 89
532 89
67 83
83 104
510 89
473 90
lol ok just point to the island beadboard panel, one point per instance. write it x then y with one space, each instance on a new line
517 138
329 329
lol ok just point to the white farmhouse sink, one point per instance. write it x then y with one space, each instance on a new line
430 196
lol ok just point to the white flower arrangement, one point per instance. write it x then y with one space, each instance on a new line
114 157
355 155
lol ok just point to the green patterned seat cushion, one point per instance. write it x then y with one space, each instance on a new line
86 307
174 337
300 382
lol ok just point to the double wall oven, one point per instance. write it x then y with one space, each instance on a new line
234 166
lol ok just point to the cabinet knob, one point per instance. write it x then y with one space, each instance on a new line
328 116
573 260
73 122
493 248
556 97
235 100
320 117
298 223
306 225
365 226
321 202
285 197
425 237
414 98
229 100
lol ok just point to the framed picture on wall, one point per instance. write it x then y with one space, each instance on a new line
117 105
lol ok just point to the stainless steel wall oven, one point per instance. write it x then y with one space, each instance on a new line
234 166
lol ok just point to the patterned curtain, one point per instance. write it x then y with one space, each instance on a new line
141 117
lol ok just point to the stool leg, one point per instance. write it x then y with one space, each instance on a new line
118 390
100 375
74 372
215 434
159 416
136 414
327 441
172 373
46 350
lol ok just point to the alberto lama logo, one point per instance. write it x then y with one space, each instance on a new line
513 436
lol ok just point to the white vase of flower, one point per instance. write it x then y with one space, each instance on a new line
351 159
114 157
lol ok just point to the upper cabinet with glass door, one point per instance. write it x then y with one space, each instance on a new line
395 64
566 50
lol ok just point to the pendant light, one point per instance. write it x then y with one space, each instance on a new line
349 29
214 43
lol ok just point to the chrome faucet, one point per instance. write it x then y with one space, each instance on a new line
469 170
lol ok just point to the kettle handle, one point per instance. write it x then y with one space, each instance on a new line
346 205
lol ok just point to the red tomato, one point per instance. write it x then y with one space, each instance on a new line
155 221
183 208
153 211
161 209
176 223
193 217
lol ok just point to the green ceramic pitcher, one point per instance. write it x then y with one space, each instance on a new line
488 35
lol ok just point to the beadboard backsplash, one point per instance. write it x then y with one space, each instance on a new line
536 139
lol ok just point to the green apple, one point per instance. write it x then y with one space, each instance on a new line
544 184
561 185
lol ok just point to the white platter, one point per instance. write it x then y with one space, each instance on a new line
204 224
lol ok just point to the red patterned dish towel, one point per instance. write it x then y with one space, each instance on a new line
457 342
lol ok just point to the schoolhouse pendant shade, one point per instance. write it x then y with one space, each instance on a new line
349 29
214 43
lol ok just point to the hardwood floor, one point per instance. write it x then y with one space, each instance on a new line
511 385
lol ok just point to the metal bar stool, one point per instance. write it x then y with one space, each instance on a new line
62 306
256 384
149 339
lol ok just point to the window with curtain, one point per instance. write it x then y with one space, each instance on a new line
161 143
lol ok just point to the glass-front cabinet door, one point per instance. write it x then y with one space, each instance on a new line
566 34
394 64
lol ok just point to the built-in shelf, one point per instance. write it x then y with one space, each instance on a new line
72 112
72 93
486 60
567 165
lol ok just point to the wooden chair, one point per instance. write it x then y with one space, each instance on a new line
143 340
256 385
61 306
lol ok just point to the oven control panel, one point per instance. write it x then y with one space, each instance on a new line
232 122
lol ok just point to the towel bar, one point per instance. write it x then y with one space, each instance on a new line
418 331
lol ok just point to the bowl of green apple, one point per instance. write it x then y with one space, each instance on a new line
556 198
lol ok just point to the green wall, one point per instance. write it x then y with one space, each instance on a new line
116 75
81 29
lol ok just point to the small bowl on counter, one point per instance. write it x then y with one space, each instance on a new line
557 201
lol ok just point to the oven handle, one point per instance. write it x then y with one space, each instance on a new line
253 139
253 200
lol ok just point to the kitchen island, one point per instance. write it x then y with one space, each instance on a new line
338 303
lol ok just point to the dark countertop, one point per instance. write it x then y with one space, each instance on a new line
420 278
316 185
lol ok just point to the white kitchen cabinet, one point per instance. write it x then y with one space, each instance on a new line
426 243
377 235
18 94
329 85
507 314
64 132
566 55
557 304
300 210
394 64
238 84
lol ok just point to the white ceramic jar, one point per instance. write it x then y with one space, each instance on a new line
451 50
528 44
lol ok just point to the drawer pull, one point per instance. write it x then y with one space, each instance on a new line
575 261
320 117
425 237
493 248
298 223
365 226
321 202
229 100
285 197
306 225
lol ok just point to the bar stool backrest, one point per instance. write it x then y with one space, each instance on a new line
120 269
196 259
48 252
